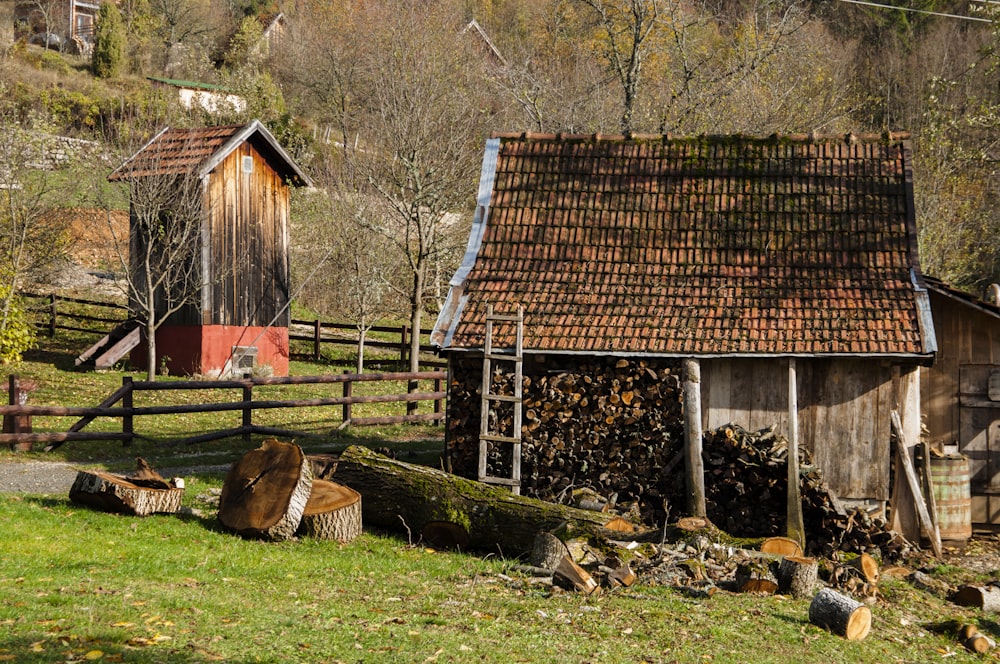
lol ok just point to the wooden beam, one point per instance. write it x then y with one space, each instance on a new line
903 452
795 527
693 463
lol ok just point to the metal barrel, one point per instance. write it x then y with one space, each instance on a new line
950 483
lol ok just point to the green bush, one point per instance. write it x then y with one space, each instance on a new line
18 334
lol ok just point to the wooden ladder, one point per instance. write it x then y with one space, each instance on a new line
485 435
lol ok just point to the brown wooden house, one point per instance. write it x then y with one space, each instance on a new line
741 253
960 392
239 318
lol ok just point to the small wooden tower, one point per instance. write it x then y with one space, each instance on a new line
239 319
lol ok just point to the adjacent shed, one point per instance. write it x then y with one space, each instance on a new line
239 318
744 254
961 393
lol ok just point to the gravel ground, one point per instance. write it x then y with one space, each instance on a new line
56 477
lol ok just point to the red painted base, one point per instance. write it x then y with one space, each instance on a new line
207 349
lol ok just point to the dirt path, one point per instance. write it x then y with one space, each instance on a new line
56 477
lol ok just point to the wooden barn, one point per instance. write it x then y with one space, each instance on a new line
783 269
961 393
238 319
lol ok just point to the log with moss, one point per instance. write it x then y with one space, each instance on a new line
405 497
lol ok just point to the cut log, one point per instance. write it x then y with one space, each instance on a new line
548 551
573 577
781 546
986 598
840 614
265 493
123 495
397 495
757 577
797 576
867 567
333 512
693 524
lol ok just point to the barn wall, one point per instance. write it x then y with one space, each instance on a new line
844 408
247 224
205 349
956 401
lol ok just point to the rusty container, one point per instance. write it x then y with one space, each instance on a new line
951 485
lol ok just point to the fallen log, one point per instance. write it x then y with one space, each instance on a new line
265 492
333 512
141 494
548 551
397 495
840 614
986 598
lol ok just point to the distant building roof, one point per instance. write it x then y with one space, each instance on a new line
728 245
198 151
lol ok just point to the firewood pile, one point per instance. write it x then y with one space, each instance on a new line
615 427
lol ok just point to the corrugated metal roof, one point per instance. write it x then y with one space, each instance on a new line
708 246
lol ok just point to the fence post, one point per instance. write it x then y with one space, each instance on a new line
52 315
247 410
437 402
404 345
317 339
348 391
127 423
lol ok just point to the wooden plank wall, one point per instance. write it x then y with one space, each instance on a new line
249 235
844 407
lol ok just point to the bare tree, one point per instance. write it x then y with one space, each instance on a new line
161 255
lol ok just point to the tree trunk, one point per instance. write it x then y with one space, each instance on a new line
123 495
266 491
362 332
797 576
840 614
333 512
151 349
401 496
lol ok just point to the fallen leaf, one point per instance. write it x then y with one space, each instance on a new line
93 655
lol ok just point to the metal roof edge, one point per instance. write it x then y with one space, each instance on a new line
451 312
925 319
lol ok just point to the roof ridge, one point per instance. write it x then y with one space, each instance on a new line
811 137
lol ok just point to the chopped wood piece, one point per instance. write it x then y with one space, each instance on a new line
693 524
266 491
573 576
979 643
113 493
797 576
548 551
620 573
782 546
867 566
840 614
445 535
986 598
620 525
756 576
333 512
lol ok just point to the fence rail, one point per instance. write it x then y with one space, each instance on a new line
17 414
56 312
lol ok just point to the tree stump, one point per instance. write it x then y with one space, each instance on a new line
840 614
548 551
781 546
797 576
867 567
986 598
265 492
333 512
123 495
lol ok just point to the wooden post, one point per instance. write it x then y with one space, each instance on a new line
404 345
127 423
438 406
693 463
317 340
247 411
348 390
903 451
52 315
794 525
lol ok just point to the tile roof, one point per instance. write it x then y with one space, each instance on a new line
705 246
176 151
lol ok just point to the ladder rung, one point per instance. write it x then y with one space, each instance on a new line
503 397
506 481
502 357
505 318
499 439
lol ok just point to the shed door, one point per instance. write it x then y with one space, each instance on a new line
979 425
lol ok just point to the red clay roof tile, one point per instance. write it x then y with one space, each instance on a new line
714 245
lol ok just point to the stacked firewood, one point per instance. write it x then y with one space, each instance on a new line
611 425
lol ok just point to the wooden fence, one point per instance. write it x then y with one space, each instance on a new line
15 414
56 312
